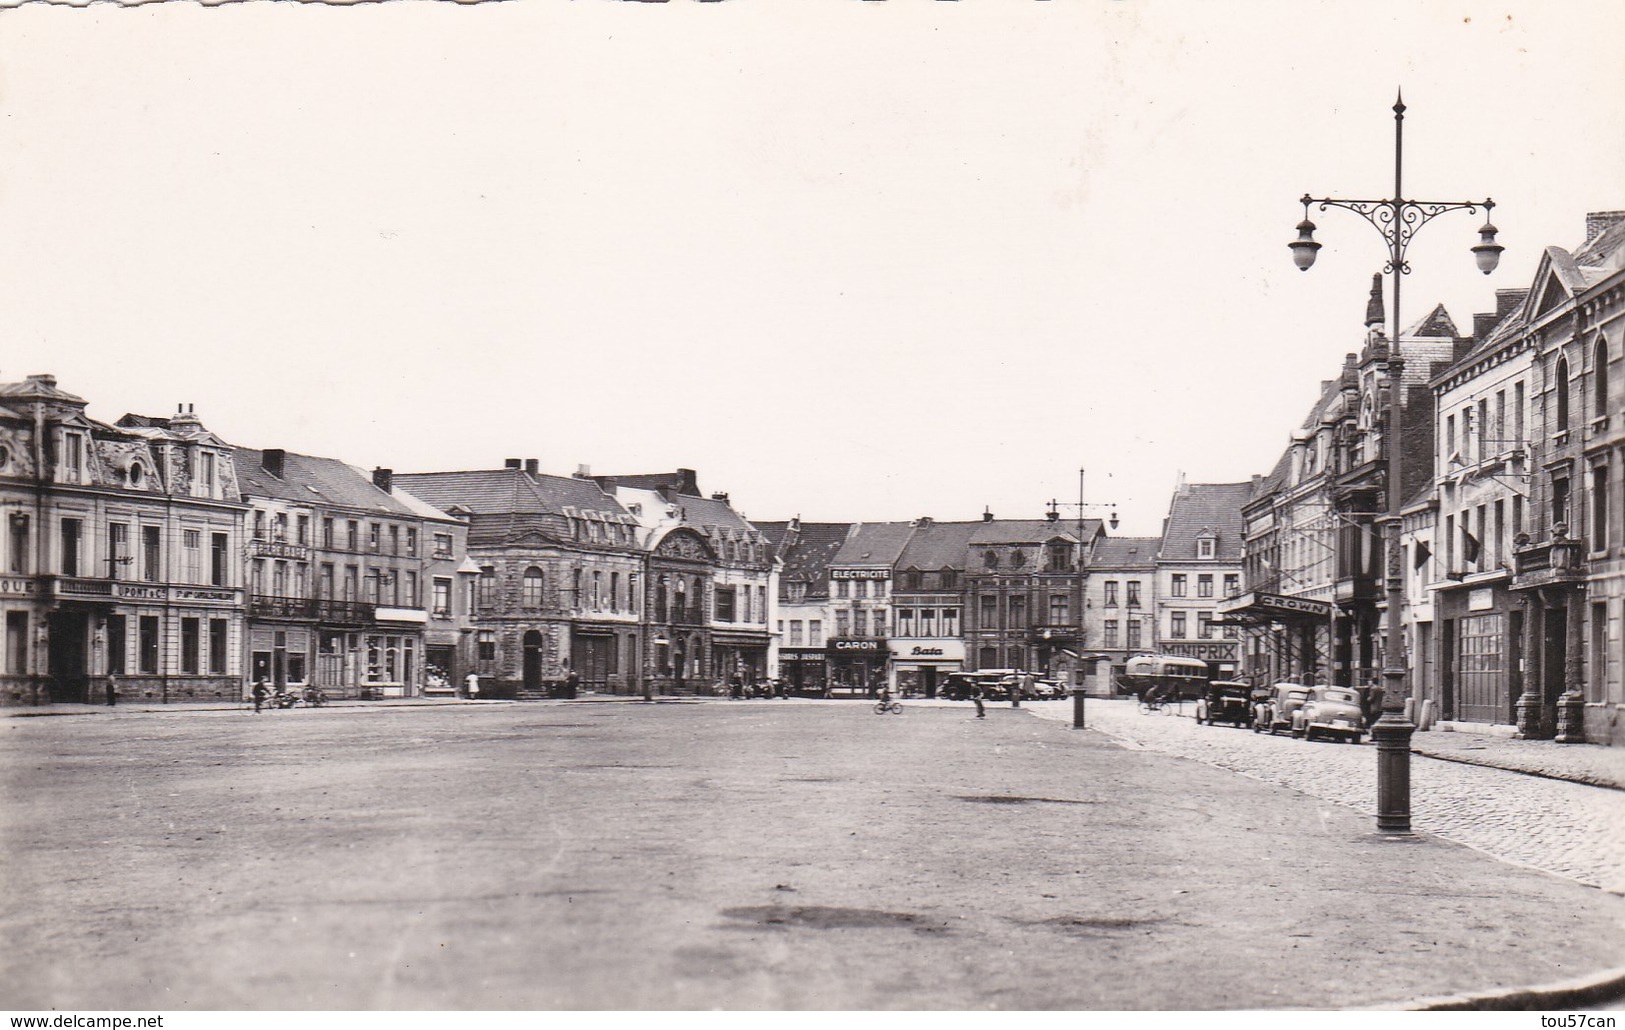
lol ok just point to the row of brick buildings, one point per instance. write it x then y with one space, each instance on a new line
905 603
151 556
1513 444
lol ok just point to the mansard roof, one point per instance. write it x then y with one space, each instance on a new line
874 543
309 479
39 387
1205 509
1134 553
1030 531
938 545
511 491
805 548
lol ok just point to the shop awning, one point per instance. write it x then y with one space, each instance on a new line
1255 606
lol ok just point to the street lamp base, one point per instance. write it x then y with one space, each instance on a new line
1392 736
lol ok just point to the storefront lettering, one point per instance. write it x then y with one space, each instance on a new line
203 594
860 574
10 585
1206 652
856 645
139 593
926 652
1294 604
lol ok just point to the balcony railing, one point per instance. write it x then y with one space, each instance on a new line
690 615
266 607
345 613
261 548
1357 588
1555 559
80 587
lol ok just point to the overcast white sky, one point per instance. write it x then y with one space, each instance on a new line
848 260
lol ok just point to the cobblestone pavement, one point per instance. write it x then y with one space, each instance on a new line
1570 829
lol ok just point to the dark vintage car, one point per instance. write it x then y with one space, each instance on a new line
1226 702
993 684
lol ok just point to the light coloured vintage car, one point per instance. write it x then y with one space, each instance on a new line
1330 712
1279 710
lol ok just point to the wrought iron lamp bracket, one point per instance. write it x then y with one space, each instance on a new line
1398 220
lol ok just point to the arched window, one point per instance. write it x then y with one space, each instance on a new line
1599 378
1562 390
990 559
532 588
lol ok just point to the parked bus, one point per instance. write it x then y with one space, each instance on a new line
1172 677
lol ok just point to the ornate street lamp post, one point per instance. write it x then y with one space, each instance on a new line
1398 220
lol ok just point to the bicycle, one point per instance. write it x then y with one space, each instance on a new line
894 707
1153 704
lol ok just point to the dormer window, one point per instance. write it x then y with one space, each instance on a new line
1206 546
991 559
137 475
73 456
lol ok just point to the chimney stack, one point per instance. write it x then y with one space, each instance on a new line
532 466
273 460
720 496
987 515
583 471
690 482
512 463
383 479
1599 222
1374 316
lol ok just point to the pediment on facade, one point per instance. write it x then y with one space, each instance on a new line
531 538
1552 295
681 542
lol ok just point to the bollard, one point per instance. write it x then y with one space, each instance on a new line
1077 708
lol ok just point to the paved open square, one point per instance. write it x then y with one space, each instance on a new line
734 855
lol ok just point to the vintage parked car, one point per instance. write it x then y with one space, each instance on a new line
994 685
1048 690
1330 711
1276 714
1225 701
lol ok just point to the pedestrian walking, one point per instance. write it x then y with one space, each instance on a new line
572 683
112 691
976 696
259 695
472 685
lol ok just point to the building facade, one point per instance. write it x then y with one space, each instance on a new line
1198 566
860 576
1025 591
122 549
1120 604
339 589
802 618
928 606
554 578
713 575
1569 562
1464 625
